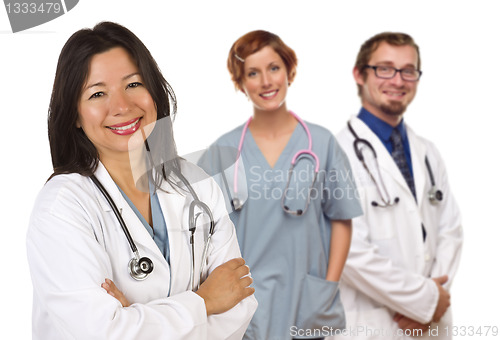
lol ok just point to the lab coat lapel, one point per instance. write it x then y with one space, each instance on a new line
175 207
418 152
139 234
385 161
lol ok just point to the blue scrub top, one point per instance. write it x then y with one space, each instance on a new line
159 230
288 255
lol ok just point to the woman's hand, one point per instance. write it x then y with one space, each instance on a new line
111 289
226 286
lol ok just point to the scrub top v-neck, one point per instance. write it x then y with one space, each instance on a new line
287 254
287 150
159 230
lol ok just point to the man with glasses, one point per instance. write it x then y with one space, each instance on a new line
406 247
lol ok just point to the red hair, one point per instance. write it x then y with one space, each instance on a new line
253 42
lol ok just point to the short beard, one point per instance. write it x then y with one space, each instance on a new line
393 109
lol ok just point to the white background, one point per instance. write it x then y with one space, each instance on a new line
454 107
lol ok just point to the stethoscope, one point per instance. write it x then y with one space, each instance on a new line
140 267
435 195
238 204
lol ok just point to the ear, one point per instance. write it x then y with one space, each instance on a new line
242 89
291 76
358 76
78 124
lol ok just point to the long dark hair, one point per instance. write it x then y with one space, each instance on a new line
71 150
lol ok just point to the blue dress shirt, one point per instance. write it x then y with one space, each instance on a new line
383 132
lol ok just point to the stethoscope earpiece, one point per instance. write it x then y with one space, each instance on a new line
297 212
388 204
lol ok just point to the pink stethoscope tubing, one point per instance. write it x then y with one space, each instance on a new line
236 202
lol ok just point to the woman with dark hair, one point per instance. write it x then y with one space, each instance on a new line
292 195
121 208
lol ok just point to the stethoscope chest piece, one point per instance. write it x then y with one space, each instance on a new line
435 195
236 203
140 268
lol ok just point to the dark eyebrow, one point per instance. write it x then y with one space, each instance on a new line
93 85
389 63
131 75
102 84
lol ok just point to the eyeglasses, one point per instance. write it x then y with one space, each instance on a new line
388 72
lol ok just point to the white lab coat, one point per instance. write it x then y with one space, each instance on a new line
75 241
389 267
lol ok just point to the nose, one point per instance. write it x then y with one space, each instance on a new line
397 79
120 103
266 80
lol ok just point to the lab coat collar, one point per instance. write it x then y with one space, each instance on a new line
103 176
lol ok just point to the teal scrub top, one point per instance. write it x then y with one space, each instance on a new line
287 254
159 230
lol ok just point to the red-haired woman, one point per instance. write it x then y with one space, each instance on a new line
291 195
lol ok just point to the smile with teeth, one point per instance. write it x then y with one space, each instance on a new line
394 94
269 94
127 129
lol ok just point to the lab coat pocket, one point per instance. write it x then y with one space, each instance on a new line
319 305
382 220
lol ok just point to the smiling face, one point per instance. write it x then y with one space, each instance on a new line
388 99
114 104
265 81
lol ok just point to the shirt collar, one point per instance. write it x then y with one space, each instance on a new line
380 128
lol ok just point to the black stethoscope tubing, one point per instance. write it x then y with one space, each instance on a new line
385 199
435 195
141 267
115 211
